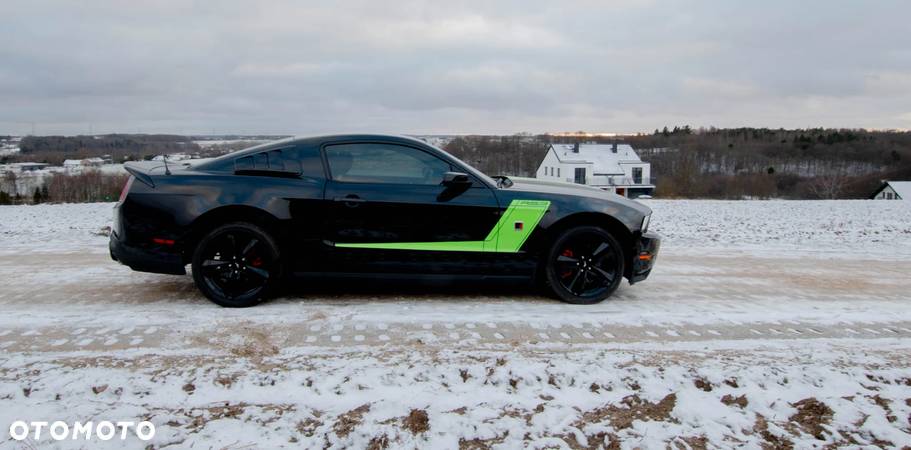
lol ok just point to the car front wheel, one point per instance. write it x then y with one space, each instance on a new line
236 265
584 266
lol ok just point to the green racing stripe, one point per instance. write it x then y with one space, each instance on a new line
505 237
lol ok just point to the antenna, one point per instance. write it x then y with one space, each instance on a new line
166 170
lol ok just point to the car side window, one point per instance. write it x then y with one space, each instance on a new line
384 163
311 164
303 161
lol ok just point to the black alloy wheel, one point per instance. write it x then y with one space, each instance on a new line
585 265
236 265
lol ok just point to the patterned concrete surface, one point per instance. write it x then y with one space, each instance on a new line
84 302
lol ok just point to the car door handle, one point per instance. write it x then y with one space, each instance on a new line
350 200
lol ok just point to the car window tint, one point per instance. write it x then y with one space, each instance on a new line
276 160
384 163
308 162
302 160
245 163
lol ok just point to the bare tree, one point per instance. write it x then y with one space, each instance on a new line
9 184
828 187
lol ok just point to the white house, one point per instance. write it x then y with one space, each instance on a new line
78 165
893 190
612 167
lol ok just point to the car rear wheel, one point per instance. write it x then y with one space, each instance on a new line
584 266
236 265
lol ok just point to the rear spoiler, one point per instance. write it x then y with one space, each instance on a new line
142 170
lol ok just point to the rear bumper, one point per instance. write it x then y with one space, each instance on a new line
644 259
145 259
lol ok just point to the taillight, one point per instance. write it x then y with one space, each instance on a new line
126 188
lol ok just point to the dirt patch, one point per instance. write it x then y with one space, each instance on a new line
226 381
730 400
703 384
772 442
811 415
308 426
602 440
631 409
417 421
347 422
884 404
480 444
692 443
378 443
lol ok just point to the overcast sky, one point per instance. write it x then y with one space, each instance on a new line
443 67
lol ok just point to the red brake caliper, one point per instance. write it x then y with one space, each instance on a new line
569 254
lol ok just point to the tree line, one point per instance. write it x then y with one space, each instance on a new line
686 162
760 162
120 147
730 163
89 186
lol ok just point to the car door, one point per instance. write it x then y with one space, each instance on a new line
389 210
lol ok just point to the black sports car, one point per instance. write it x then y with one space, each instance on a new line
365 204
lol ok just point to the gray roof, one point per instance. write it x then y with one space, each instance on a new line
902 188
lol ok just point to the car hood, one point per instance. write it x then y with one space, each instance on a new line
579 190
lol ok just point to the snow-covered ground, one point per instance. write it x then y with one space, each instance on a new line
843 228
764 324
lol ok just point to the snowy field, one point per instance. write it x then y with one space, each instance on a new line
769 324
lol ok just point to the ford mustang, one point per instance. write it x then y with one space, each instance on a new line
377 206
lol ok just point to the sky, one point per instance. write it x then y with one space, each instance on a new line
453 67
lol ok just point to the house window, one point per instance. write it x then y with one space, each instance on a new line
558 172
637 175
579 175
888 196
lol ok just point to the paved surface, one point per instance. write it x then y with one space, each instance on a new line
84 302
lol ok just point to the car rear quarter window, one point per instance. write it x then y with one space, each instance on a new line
299 160
384 163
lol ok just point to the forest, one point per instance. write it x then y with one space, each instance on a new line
727 163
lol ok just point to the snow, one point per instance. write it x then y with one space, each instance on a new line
841 228
605 160
785 304
531 398
50 227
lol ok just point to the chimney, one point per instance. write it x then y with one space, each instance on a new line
576 147
614 147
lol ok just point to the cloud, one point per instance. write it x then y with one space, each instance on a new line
417 66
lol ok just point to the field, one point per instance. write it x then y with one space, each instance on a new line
765 323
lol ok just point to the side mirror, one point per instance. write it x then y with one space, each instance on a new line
455 179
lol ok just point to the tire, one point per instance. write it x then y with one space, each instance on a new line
584 265
237 265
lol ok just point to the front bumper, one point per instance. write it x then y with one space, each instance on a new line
644 258
145 259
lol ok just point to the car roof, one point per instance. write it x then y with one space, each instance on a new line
227 160
313 141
